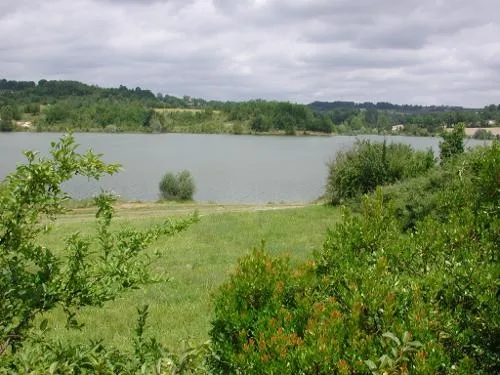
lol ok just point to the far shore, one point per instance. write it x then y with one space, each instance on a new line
469 132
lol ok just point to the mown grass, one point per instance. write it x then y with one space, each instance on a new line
195 262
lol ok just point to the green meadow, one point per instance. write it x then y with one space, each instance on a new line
190 265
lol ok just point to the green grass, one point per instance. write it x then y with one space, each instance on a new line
196 262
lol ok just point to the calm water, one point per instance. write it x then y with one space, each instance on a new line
226 168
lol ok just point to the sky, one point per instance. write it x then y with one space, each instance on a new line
429 52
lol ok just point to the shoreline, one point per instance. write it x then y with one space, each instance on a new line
128 209
300 133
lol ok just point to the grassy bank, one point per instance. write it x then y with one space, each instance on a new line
195 262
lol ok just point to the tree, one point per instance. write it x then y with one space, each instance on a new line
33 279
260 123
356 122
6 119
383 121
371 117
453 142
148 117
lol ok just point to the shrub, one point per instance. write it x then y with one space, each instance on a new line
453 142
483 134
374 299
6 119
35 279
441 189
369 165
178 186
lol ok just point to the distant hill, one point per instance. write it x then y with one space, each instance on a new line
383 106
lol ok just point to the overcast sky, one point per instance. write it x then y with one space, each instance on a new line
402 51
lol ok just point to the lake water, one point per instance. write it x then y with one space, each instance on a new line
226 168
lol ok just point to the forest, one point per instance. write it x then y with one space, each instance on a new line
60 105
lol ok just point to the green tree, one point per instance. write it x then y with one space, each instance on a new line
356 122
383 121
371 117
453 142
57 113
6 119
149 115
260 123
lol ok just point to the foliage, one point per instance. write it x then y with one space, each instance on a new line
58 105
6 119
149 356
428 195
368 165
417 119
483 134
179 186
453 142
376 299
34 280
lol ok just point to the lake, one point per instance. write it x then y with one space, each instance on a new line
226 168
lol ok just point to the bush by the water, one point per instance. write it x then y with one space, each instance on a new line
368 165
375 299
178 186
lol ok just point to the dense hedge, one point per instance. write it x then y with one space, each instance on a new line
368 165
377 299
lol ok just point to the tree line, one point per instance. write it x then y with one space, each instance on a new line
54 105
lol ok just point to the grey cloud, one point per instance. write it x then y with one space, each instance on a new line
430 51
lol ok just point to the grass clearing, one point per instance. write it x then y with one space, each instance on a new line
191 110
195 262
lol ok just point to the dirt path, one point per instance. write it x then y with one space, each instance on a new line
150 210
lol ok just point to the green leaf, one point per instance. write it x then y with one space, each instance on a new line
415 344
371 365
53 367
43 324
406 337
393 337
385 361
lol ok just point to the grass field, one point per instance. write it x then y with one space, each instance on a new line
191 110
196 262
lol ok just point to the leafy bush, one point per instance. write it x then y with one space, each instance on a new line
453 142
416 198
34 279
178 186
483 134
6 119
375 300
369 165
